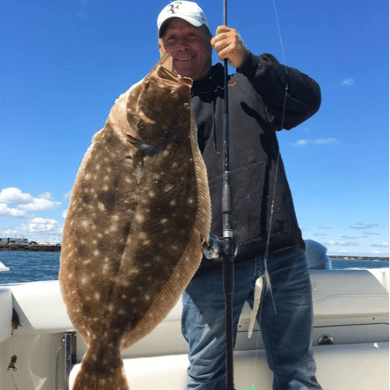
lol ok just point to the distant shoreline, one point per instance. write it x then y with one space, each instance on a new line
31 248
359 258
57 248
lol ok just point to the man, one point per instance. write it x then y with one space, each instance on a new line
264 97
316 256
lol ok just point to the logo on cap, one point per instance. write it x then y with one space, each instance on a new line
174 6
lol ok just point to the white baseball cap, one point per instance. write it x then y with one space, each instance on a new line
186 10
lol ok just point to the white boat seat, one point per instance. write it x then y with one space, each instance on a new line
6 313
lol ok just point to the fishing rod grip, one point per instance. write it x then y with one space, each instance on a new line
226 206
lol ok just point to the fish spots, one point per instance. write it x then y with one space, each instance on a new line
164 220
168 187
143 236
97 296
138 173
105 269
139 217
85 224
112 229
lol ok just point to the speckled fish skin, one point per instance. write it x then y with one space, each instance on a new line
139 210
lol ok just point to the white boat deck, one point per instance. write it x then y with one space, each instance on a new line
352 307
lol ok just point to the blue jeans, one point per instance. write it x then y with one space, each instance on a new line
287 334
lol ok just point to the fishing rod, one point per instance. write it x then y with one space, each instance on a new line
225 247
229 248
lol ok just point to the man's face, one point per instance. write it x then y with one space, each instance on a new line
189 46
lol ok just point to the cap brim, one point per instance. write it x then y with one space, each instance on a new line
188 19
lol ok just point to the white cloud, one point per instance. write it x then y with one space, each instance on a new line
36 229
348 82
318 141
369 234
6 211
43 225
324 227
46 195
345 237
326 141
301 142
383 245
342 243
40 204
364 226
84 3
15 203
12 195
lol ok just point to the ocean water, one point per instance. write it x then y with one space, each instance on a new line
35 266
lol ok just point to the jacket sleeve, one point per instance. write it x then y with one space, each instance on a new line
270 79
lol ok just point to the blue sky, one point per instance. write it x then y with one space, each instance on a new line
63 64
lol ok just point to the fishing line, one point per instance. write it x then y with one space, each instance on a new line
266 254
280 34
272 206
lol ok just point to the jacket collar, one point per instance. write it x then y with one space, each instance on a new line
211 82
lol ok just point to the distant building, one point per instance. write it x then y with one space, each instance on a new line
14 240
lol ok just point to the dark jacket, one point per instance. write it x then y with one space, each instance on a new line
256 100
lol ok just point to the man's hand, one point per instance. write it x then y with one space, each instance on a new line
229 44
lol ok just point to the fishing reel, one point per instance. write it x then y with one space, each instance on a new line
219 247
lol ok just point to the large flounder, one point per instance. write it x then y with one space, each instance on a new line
139 210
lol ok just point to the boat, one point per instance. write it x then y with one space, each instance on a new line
39 348
3 268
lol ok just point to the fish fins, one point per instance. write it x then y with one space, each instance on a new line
101 380
256 305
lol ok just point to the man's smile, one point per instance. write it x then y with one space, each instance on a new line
184 59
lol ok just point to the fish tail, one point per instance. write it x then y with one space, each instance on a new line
88 379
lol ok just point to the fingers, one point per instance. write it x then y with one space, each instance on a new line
229 44
161 48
